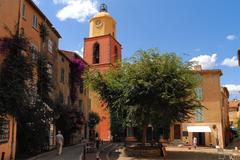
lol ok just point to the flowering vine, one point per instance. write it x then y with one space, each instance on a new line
76 71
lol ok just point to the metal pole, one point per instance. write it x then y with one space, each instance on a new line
84 152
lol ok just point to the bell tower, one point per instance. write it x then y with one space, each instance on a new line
102 51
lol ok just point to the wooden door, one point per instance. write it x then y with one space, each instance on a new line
177 131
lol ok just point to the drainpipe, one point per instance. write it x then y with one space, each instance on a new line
19 17
12 157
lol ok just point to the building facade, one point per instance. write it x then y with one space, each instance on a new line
102 51
209 124
25 18
234 113
8 124
82 102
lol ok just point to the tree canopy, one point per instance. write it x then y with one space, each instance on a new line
148 88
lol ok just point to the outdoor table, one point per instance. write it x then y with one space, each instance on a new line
234 155
221 154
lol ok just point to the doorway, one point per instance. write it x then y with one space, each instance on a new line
200 138
177 131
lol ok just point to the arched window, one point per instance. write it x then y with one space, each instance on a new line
96 50
115 54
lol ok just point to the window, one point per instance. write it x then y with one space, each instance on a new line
81 87
115 54
61 97
96 50
198 93
24 10
22 31
130 132
33 52
4 130
50 45
231 114
69 101
62 75
50 69
198 77
88 105
80 105
198 114
35 22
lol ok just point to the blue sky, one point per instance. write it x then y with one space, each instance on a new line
202 30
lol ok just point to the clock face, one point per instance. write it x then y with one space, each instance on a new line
99 23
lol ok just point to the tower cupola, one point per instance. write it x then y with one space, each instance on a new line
102 23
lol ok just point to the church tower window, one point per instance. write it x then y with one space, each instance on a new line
115 54
96 50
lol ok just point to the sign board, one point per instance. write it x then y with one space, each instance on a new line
4 130
185 133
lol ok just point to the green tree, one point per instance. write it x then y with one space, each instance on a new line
238 128
16 70
148 88
93 120
44 83
19 97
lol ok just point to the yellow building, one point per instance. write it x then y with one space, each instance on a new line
234 112
210 124
82 101
8 129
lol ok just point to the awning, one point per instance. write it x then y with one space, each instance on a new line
198 129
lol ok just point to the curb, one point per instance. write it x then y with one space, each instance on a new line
107 156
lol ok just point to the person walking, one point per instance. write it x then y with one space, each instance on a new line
59 141
195 142
97 141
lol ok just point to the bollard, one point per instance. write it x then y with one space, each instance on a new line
97 156
84 152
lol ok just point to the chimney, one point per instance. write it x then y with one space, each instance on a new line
197 67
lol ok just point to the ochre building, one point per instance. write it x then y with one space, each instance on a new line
209 124
234 113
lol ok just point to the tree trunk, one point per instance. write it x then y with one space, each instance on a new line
144 136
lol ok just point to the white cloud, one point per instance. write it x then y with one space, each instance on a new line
206 61
231 62
60 1
80 53
79 10
232 88
231 37
37 2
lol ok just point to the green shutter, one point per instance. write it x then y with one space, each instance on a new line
198 93
62 75
198 114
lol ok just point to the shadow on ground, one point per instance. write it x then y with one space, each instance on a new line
190 156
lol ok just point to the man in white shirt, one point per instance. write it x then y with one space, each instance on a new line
59 141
